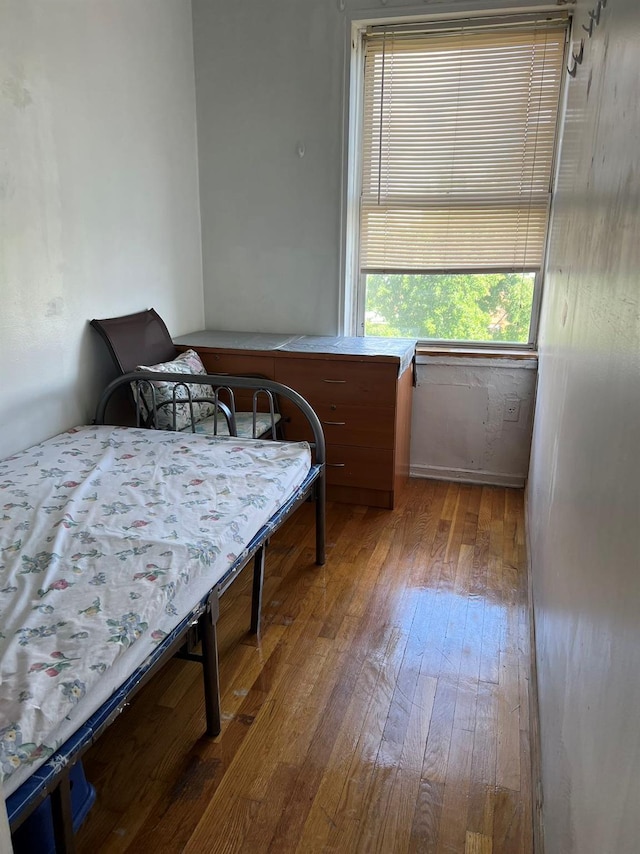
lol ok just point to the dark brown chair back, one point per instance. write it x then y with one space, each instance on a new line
136 339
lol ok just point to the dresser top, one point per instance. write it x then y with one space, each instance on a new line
401 349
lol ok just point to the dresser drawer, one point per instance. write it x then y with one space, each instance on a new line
340 382
369 468
344 424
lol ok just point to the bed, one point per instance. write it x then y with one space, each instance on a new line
114 543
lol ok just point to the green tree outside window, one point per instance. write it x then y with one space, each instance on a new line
481 307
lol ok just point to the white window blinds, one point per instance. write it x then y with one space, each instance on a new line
458 146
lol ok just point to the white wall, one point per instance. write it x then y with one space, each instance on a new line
584 493
472 419
99 210
269 78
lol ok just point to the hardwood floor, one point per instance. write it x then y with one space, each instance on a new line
384 707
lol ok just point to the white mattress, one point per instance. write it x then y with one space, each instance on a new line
108 537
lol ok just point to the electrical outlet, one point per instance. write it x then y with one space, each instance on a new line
511 409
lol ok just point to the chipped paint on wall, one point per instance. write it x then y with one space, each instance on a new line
460 421
31 216
14 88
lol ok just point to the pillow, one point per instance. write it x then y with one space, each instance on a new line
186 363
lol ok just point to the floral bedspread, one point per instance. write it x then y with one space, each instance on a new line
108 537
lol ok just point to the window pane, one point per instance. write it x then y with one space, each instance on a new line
475 307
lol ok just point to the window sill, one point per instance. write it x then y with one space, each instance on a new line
477 356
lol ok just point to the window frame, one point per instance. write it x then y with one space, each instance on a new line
353 303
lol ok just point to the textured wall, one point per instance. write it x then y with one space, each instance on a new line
99 211
462 428
584 508
269 80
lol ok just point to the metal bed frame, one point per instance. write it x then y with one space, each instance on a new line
53 778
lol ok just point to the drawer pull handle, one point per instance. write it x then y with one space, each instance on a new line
334 381
335 465
334 423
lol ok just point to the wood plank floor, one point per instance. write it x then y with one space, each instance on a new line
384 707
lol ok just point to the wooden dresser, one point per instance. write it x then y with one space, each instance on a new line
361 389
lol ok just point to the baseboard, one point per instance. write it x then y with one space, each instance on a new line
488 478
534 713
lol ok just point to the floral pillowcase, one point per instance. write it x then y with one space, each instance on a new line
186 363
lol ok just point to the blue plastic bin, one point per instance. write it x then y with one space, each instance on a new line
35 835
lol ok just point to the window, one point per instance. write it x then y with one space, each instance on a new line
457 142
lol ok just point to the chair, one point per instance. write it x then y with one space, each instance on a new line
142 339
